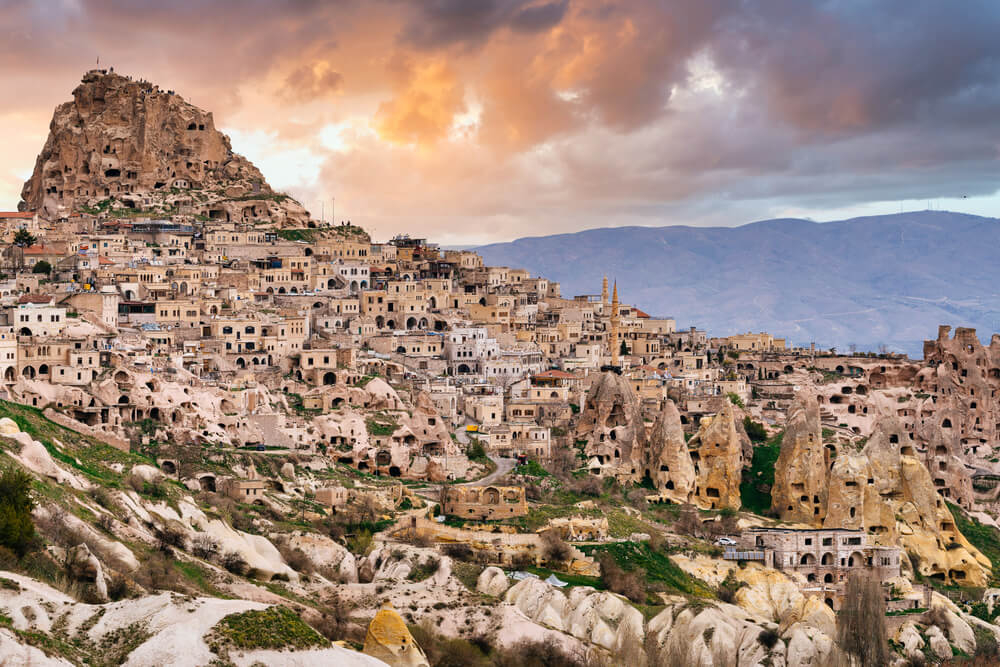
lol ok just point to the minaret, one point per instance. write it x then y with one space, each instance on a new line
604 296
614 326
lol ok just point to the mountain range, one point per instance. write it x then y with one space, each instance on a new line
868 282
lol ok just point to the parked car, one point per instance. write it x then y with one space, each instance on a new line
725 541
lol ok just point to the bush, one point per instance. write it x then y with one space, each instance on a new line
458 551
17 530
768 638
235 563
205 546
554 549
171 536
42 267
755 430
630 584
296 558
588 486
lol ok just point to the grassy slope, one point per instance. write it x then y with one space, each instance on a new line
760 476
983 537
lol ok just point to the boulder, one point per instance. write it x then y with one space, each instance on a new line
84 566
492 581
147 473
8 426
911 640
938 642
390 641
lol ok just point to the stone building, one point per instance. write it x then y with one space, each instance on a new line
824 557
488 502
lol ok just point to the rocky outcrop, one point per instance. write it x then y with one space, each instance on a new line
389 641
492 581
887 491
800 474
717 454
597 617
668 462
613 427
164 629
127 144
82 565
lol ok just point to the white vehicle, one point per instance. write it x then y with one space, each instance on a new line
725 541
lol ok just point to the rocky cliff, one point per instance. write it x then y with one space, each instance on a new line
124 146
800 492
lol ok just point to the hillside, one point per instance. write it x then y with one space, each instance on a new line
868 281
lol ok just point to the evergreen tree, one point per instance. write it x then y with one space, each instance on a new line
24 239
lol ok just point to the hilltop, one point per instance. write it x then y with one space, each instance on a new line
868 281
127 148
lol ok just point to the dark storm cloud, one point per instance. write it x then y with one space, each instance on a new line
852 66
442 23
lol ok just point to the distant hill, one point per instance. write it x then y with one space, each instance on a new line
868 281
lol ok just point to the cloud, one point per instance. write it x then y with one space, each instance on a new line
309 82
427 100
489 119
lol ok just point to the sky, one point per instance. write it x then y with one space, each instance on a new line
473 121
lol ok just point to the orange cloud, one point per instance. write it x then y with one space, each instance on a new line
427 99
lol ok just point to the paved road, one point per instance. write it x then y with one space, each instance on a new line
504 466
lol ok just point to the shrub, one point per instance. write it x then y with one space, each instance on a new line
768 638
630 584
42 267
755 430
205 546
458 551
296 558
235 563
271 628
554 549
171 536
17 531
588 486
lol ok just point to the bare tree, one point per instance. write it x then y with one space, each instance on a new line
861 628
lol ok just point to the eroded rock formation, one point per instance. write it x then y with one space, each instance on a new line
126 143
717 454
800 481
668 462
612 425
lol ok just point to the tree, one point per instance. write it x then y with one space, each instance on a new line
623 349
24 239
17 531
42 267
861 621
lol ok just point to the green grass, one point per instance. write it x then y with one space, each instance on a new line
657 564
983 537
271 628
532 469
755 489
83 453
381 424
307 235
